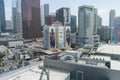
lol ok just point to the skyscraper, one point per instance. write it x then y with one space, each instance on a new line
2 17
87 21
17 17
51 18
117 29
99 21
44 14
63 15
31 19
112 18
73 24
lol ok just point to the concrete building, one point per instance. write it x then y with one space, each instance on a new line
17 17
31 23
112 18
63 15
44 14
9 27
73 24
56 36
51 18
87 22
35 72
117 29
106 33
99 21
102 66
2 17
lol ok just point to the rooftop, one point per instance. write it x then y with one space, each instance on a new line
109 49
33 72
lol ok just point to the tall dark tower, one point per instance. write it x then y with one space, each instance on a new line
2 17
31 19
63 15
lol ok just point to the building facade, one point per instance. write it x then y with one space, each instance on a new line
9 27
106 33
111 18
51 18
73 24
2 17
31 22
63 15
44 14
17 17
87 22
56 36
99 21
117 29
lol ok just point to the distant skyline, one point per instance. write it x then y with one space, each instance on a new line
103 7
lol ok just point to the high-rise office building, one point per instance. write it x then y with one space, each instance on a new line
112 18
73 24
99 21
9 27
51 18
2 17
63 15
117 29
87 22
106 33
44 14
31 22
17 17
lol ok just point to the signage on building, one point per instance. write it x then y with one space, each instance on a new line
68 36
61 37
52 37
86 40
96 39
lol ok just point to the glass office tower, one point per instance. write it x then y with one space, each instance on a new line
2 17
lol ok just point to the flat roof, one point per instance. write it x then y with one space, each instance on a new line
109 49
114 64
35 73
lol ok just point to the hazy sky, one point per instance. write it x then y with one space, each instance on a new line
103 7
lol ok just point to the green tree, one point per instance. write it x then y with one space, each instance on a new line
1 57
73 45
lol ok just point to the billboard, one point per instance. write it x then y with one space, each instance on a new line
66 16
86 40
61 37
117 33
52 37
68 36
96 39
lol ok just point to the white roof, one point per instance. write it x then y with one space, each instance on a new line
34 74
109 49
115 65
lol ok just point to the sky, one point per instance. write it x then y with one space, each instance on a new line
103 7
